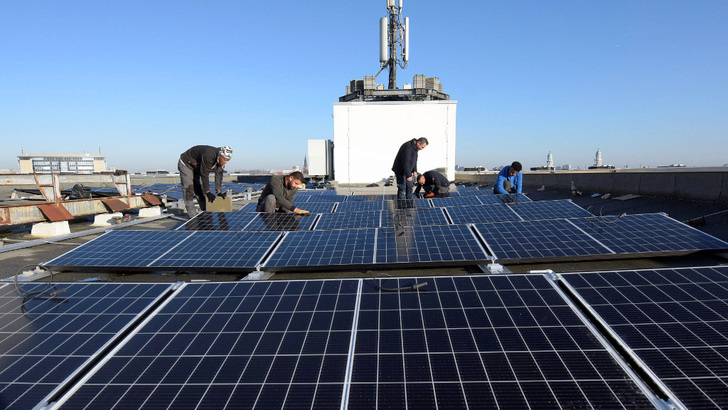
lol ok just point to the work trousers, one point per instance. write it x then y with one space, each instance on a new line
404 187
191 188
268 204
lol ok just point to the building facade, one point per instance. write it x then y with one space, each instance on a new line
61 163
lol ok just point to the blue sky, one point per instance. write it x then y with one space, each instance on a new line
644 81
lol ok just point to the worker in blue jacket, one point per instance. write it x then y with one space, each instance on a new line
510 180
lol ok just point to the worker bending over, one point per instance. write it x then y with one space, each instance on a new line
278 194
195 166
510 180
434 184
405 166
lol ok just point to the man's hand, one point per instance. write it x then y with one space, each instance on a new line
221 194
301 212
210 197
409 179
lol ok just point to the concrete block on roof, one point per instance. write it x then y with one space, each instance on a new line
50 229
701 186
106 219
150 212
661 184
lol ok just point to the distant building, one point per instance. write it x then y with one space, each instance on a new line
598 162
549 164
61 163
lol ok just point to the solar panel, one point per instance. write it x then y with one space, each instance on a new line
475 341
456 201
414 216
412 203
233 345
349 220
313 207
674 320
121 249
170 250
558 209
647 233
415 244
482 213
360 206
218 250
306 249
218 221
321 198
46 337
480 342
280 221
360 198
545 239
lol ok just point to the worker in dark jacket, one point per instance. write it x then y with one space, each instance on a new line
405 166
195 166
434 184
278 194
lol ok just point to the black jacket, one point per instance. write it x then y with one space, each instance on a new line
433 181
405 163
284 196
203 160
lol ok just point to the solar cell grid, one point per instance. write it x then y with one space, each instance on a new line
349 220
321 198
360 206
44 339
414 216
480 342
415 244
538 240
558 209
218 250
280 221
325 248
218 221
122 249
647 233
264 345
674 320
481 214
456 201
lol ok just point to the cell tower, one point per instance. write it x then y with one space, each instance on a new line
393 34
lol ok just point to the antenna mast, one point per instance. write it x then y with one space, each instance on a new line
393 33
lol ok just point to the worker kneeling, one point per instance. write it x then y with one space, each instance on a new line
278 194
434 184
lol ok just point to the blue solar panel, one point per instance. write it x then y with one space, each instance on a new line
306 249
416 244
313 207
558 209
170 250
46 337
493 342
456 201
233 345
414 216
218 250
482 213
674 320
647 233
122 249
544 239
360 206
280 221
364 198
320 198
480 342
349 220
249 207
412 203
219 221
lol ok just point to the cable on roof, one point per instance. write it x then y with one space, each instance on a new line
38 293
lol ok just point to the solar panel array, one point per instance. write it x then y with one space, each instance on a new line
46 337
674 320
467 341
464 342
